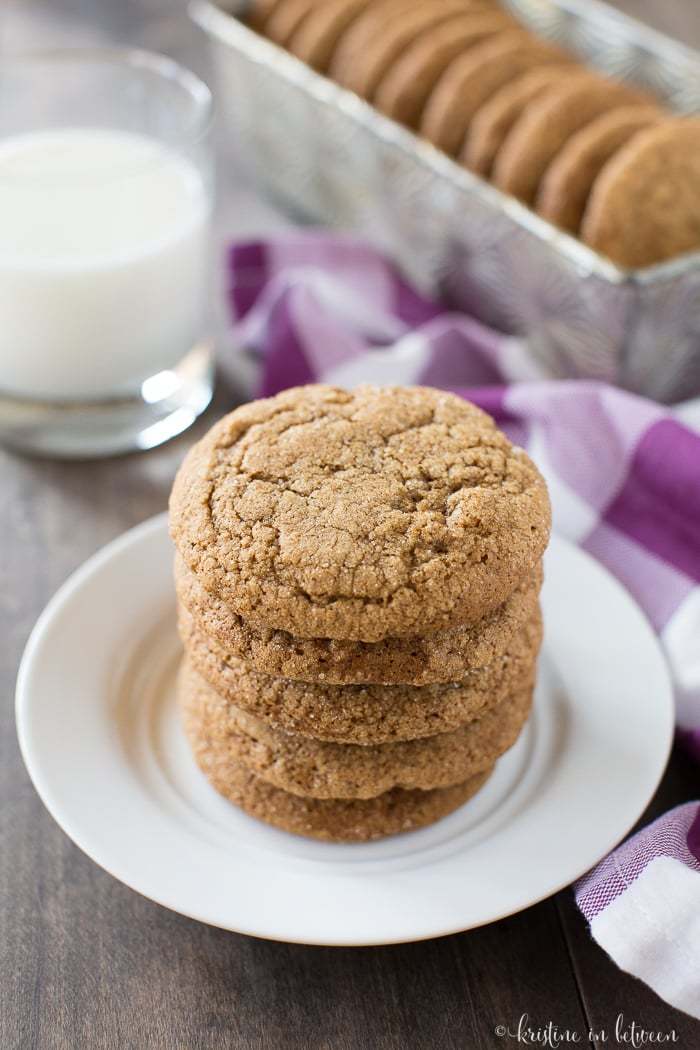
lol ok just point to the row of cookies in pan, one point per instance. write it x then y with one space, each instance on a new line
585 152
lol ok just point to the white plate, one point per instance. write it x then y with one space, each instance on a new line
101 739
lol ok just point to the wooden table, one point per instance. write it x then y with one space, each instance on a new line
87 964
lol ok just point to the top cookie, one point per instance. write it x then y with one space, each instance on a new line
383 511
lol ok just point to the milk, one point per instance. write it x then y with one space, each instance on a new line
103 262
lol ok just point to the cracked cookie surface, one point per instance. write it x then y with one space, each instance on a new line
318 769
381 512
361 714
445 656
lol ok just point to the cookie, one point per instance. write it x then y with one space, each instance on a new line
318 769
492 121
548 123
361 714
374 22
360 515
644 206
442 657
568 180
471 78
364 74
316 38
406 85
258 13
286 17
331 820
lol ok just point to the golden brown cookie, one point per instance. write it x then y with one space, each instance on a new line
316 38
406 85
548 123
375 21
369 66
331 820
361 714
445 656
318 769
286 17
644 206
258 13
492 121
471 78
567 182
366 514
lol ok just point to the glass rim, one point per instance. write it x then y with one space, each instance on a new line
137 59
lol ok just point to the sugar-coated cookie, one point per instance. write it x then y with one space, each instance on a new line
548 123
376 20
331 820
567 182
472 78
319 769
258 13
286 17
644 206
445 656
361 714
492 121
366 514
364 73
407 83
316 38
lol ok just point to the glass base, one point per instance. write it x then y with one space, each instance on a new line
167 404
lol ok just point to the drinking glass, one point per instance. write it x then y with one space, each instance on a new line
105 204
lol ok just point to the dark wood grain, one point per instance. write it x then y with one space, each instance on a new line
86 964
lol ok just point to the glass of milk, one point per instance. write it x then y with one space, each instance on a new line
105 202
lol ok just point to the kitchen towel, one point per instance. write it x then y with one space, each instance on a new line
624 477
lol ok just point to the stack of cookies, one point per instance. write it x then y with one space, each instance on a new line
596 157
357 577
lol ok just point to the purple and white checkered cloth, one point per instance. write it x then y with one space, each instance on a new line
624 477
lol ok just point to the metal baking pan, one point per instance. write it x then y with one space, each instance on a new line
336 160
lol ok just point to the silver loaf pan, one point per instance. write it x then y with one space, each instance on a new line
334 159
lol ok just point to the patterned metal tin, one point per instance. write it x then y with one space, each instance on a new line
334 159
